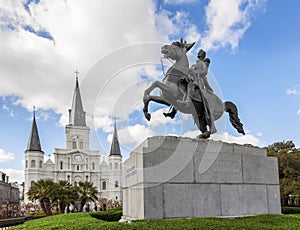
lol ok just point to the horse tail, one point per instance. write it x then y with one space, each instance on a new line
233 116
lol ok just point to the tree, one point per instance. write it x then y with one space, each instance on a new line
65 194
43 191
86 193
289 168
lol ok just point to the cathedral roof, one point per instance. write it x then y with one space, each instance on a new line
49 162
115 146
34 140
76 113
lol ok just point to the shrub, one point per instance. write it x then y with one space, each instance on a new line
290 210
113 214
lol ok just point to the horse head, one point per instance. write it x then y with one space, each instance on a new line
176 50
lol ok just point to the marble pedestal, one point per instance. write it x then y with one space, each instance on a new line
173 177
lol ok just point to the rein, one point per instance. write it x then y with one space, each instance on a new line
162 65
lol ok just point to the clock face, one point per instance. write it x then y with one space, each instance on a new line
77 157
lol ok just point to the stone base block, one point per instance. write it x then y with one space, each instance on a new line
174 177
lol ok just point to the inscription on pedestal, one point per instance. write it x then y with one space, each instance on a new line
131 171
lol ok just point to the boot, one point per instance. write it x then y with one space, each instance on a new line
189 95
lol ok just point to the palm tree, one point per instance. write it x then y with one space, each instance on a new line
43 191
86 192
64 195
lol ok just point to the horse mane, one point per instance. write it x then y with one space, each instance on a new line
183 44
180 44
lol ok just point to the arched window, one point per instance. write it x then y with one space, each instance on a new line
77 167
26 164
93 165
41 164
110 166
81 144
104 185
32 165
74 146
116 184
68 178
116 165
32 183
61 165
86 178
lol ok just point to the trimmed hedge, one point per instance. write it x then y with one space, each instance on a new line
113 214
290 210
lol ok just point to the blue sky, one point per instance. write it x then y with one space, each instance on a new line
253 46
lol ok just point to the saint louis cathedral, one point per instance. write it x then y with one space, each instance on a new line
76 162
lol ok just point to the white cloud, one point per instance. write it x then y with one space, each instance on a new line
291 92
226 137
83 34
191 133
177 2
6 156
298 112
259 134
158 119
15 175
8 110
132 134
228 21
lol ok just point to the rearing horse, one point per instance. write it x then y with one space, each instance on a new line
174 86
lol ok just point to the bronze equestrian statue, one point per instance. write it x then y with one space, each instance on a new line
188 91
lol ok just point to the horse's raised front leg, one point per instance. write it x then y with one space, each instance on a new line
156 99
146 100
159 99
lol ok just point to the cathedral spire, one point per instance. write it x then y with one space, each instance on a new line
76 113
34 140
115 146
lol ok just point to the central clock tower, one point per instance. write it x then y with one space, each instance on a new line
77 162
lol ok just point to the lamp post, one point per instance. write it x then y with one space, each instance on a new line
7 203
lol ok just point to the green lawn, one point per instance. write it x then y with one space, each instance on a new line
85 221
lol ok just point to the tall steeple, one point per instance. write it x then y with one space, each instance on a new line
115 146
76 113
34 140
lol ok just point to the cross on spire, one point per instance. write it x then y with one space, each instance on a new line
76 73
34 140
34 108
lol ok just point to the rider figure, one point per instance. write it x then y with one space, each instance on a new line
197 79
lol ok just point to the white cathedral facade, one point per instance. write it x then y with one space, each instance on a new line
76 162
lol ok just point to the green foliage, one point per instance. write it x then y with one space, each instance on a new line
290 210
113 214
119 208
61 193
289 168
43 191
86 192
65 194
84 221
